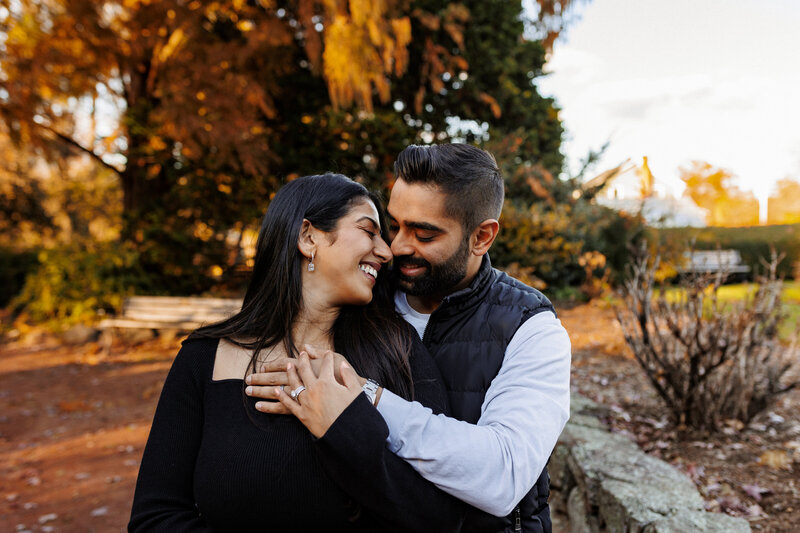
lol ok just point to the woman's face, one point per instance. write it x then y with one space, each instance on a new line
346 269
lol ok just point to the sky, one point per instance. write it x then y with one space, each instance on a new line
683 80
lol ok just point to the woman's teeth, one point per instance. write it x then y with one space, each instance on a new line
369 270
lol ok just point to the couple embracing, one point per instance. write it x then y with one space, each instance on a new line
348 395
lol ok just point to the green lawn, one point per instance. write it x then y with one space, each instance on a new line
790 297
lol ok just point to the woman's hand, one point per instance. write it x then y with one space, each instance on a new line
273 373
323 399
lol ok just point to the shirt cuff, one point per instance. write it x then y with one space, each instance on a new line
393 409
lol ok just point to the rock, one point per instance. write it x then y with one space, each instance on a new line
611 482
629 506
587 421
79 334
581 405
580 519
586 458
561 478
700 522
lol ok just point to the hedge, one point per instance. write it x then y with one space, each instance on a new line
752 242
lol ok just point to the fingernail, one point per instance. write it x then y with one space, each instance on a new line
278 391
248 379
288 366
249 390
259 405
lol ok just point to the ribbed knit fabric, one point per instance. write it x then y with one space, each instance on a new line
214 463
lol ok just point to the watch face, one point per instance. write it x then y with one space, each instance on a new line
370 388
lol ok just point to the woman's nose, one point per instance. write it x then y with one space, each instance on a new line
383 251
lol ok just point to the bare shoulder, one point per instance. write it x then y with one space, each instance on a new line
230 361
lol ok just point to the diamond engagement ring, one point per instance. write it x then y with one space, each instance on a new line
296 392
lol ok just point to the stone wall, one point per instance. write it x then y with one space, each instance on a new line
601 481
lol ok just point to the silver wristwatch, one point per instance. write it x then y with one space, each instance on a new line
370 388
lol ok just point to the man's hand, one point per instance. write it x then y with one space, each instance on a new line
262 385
321 399
273 374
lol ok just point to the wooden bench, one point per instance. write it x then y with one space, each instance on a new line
714 261
177 313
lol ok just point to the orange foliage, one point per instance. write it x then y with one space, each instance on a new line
783 206
712 189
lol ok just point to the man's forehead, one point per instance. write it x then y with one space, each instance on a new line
416 200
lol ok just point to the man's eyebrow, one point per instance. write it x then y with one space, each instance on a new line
425 226
417 225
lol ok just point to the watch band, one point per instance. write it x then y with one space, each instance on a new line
370 388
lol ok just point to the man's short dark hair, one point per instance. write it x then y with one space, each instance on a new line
468 176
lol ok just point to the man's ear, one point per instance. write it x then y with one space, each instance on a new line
307 240
484 235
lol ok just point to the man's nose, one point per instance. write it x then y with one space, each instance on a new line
401 245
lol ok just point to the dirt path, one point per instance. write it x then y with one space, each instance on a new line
72 432
73 426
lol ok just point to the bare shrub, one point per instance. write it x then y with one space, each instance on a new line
708 360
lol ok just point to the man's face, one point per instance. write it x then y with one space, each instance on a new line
430 249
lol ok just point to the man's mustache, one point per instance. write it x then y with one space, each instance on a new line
409 261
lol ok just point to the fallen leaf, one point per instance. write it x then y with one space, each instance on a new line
777 459
755 510
734 424
755 492
73 406
45 518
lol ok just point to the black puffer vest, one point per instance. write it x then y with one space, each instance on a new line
467 336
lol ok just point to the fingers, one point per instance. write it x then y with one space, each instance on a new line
349 376
291 405
326 370
268 393
270 378
304 371
274 408
275 365
294 380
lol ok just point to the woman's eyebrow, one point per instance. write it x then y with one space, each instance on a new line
370 219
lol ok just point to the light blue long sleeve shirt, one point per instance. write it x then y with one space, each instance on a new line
494 463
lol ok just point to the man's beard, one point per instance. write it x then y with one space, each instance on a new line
437 279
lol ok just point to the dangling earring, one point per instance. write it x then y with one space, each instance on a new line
311 263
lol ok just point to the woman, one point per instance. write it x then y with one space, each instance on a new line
214 463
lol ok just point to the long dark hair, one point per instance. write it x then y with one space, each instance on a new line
374 338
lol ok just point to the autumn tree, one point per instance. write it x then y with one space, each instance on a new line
21 197
202 109
714 189
783 205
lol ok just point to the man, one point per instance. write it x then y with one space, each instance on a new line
502 353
